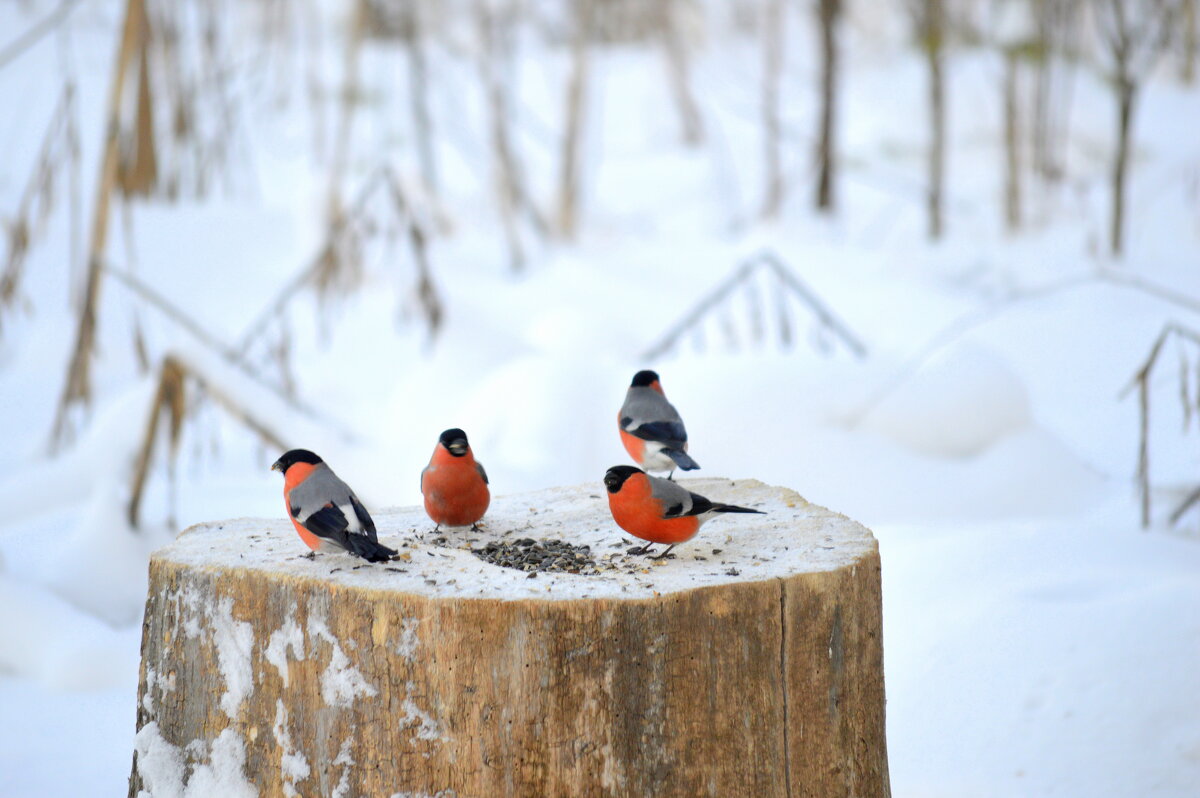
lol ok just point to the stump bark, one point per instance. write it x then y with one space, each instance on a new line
749 665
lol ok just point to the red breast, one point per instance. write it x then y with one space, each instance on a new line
636 511
634 445
455 492
297 473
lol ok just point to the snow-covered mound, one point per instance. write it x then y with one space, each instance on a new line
957 405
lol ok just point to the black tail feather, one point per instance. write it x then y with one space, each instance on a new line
369 550
730 508
682 459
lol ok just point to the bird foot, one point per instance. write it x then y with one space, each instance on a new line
666 553
639 550
312 555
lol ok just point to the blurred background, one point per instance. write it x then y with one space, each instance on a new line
931 263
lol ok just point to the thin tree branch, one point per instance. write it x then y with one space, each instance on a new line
233 356
33 35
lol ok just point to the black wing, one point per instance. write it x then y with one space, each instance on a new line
482 473
329 522
669 432
364 517
700 505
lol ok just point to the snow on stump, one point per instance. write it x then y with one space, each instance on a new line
750 664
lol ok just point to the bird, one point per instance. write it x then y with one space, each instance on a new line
651 428
658 510
454 485
326 513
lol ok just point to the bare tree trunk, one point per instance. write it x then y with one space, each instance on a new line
773 37
494 53
1057 29
576 103
934 43
77 387
1012 144
675 49
828 15
418 92
1135 34
1126 91
1041 90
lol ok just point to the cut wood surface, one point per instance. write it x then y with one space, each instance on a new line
750 664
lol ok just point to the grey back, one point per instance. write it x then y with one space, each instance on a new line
676 500
322 487
645 405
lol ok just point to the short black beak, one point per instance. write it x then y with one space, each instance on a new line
277 466
457 447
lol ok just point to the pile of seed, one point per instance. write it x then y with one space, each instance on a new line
534 556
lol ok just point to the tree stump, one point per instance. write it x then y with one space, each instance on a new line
750 664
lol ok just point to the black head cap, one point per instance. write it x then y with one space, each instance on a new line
615 477
295 456
455 441
643 378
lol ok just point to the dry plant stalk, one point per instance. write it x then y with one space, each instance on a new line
349 100
185 118
171 399
77 389
576 103
60 147
929 23
353 230
675 49
495 53
138 167
716 301
412 33
427 296
773 39
1055 49
18 46
338 267
1012 141
233 357
1188 45
1142 380
829 13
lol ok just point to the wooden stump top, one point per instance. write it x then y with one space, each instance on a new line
793 537
750 664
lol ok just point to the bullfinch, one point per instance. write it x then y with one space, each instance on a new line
651 428
455 487
658 510
326 513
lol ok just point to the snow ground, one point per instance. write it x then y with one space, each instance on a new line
1037 642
